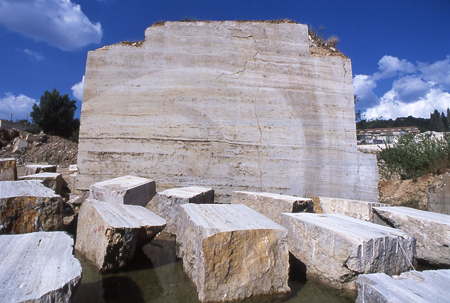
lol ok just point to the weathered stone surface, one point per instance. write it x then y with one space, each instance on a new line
432 230
33 169
254 111
19 146
438 196
272 205
429 286
107 233
53 181
72 183
28 206
231 252
38 267
166 203
337 248
361 210
124 190
8 169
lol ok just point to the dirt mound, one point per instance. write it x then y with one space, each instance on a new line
46 149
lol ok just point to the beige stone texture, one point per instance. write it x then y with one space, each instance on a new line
53 181
8 169
432 230
272 205
361 210
231 252
108 233
230 105
28 206
336 248
32 169
167 202
19 146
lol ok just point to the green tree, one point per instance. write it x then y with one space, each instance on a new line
54 114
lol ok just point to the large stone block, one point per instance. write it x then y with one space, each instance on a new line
361 210
337 248
8 169
28 206
432 230
125 190
166 203
33 169
429 286
38 267
254 111
438 196
53 181
107 233
272 205
231 252
19 146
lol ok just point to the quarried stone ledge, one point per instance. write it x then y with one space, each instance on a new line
272 205
166 203
38 267
125 190
107 233
361 210
231 252
432 231
337 248
429 286
39 168
8 169
53 181
28 206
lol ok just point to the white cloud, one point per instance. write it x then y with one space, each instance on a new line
410 88
57 22
438 72
20 106
34 55
390 66
363 86
77 90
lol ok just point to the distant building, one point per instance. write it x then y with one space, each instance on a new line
386 135
9 124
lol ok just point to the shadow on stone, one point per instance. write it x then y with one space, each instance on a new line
121 289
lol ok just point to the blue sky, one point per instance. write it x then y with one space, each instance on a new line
400 49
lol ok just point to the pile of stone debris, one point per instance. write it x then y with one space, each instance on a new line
30 148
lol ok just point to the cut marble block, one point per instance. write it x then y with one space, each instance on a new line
8 169
125 190
37 168
107 233
431 286
272 205
361 210
38 267
432 230
28 206
166 203
53 181
231 252
337 248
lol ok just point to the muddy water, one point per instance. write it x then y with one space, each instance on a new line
155 275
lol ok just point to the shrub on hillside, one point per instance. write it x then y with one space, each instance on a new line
410 158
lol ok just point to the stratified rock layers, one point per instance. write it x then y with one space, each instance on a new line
229 105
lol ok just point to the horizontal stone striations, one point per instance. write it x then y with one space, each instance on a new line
229 105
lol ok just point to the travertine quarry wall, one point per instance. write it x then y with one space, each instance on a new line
229 105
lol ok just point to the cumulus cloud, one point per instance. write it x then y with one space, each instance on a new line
77 90
33 55
20 106
417 89
60 23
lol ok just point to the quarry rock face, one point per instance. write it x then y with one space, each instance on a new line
424 287
254 111
336 248
231 252
8 169
38 267
124 190
166 203
107 233
53 181
361 210
28 206
272 205
432 230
